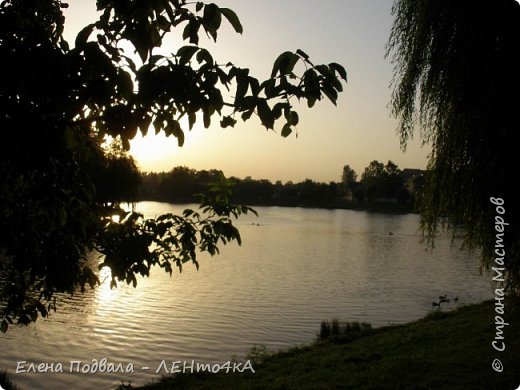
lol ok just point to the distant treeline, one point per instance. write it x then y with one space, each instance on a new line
382 187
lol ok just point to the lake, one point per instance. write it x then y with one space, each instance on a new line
295 268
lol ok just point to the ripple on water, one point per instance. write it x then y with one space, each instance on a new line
297 268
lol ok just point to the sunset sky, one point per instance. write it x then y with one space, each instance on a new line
360 129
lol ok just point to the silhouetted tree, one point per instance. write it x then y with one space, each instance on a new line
392 180
116 177
402 195
374 169
150 183
372 179
252 191
117 181
381 181
457 80
288 191
333 190
359 193
181 184
60 103
348 177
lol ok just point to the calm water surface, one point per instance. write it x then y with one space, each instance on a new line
295 268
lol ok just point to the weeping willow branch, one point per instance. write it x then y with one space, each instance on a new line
456 83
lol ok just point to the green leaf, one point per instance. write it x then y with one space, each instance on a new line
170 13
323 69
294 119
185 53
211 19
330 92
311 82
191 119
265 114
254 85
330 76
141 46
83 35
191 31
336 83
223 77
173 127
269 87
286 130
204 55
142 38
278 107
158 124
206 117
144 124
249 103
227 121
302 54
247 114
186 32
339 69
163 23
125 85
284 64
242 86
155 37
232 18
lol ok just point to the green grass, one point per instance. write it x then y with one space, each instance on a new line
443 351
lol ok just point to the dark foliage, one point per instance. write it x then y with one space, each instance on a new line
60 186
383 189
457 81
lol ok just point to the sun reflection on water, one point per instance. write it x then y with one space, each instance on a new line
105 296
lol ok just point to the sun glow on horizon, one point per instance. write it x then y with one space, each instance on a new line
357 131
158 152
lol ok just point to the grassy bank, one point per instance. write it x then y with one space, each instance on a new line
442 351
